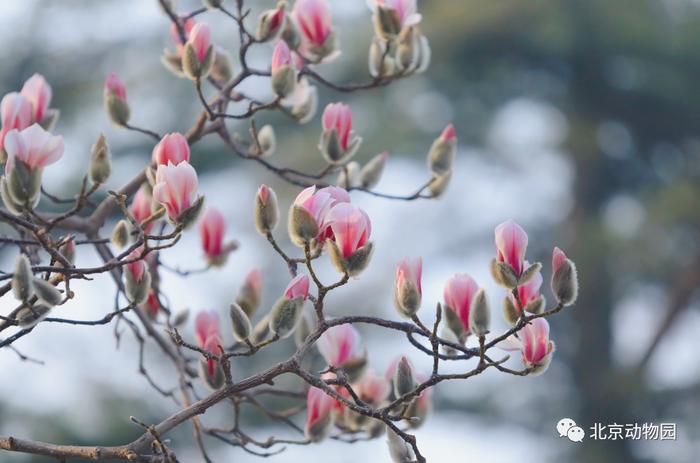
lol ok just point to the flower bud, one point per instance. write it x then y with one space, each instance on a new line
399 450
67 249
261 330
271 23
214 379
198 54
503 274
442 153
137 279
407 287
181 318
318 409
404 382
283 70
21 280
115 100
338 142
438 185
387 22
285 315
266 210
222 67
349 176
240 322
250 293
28 316
23 184
304 112
355 263
303 330
564 278
381 64
46 292
454 323
120 234
302 225
480 314
510 313
372 172
100 161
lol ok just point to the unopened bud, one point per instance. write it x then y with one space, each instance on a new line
172 62
442 152
266 210
28 316
120 234
349 176
267 141
190 215
438 185
240 322
565 283
355 263
399 450
536 305
529 272
24 185
46 292
387 22
137 290
479 314
181 318
261 330
193 68
271 23
332 150
21 280
284 81
424 55
511 314
504 274
249 295
117 110
100 161
404 382
285 315
454 323
372 172
222 67
302 225
214 380
290 33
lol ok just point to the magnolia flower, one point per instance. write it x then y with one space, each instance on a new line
281 56
338 142
534 345
212 228
173 147
141 207
372 389
298 287
197 56
34 147
287 311
152 305
340 344
458 294
115 86
208 335
137 265
350 227
407 286
271 23
564 278
318 408
511 244
283 70
314 20
175 34
38 92
528 293
115 100
175 188
15 113
138 279
309 212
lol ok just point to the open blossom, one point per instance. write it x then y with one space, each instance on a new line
533 343
141 207
173 147
298 287
407 286
208 335
319 203
175 187
338 117
458 294
212 227
15 113
351 227
318 408
511 244
38 92
406 10
33 146
314 20
340 344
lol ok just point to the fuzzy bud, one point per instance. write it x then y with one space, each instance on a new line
404 382
28 316
240 322
198 54
283 70
438 185
266 210
214 380
442 153
7 199
23 185
100 161
387 22
261 330
271 23
399 450
564 278
222 67
46 292
372 172
454 323
381 64
407 49
355 263
349 176
480 314
137 279
250 293
285 315
529 272
115 100
267 142
302 225
120 234
21 280
213 4
407 287
504 274
181 318
510 313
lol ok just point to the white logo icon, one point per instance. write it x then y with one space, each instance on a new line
566 427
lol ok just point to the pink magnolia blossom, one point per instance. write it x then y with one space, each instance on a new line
406 9
38 92
174 33
371 388
318 408
458 294
314 20
137 268
351 227
115 86
208 335
212 227
528 292
175 187
449 134
173 147
338 117
319 203
141 207
298 287
511 244
533 343
281 56
33 146
15 113
340 344
409 271
558 258
200 39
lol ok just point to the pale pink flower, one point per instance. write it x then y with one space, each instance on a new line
33 146
318 408
115 86
15 113
200 39
351 227
406 9
281 56
409 271
175 188
533 343
314 20
372 389
528 292
298 287
319 203
338 117
141 207
38 92
208 335
212 227
458 294
340 344
511 244
173 147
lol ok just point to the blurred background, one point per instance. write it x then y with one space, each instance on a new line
577 118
